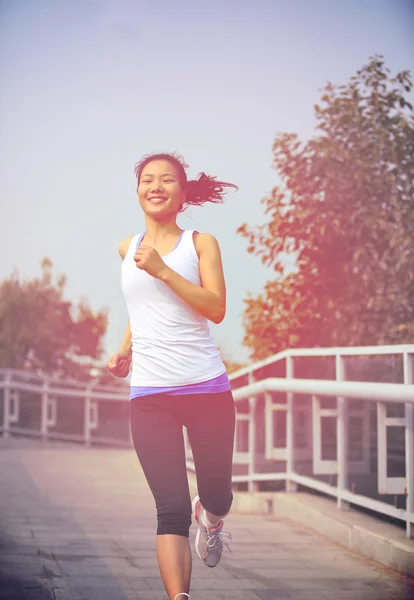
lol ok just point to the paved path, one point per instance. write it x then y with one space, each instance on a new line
78 524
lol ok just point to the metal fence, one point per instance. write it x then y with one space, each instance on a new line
339 421
35 406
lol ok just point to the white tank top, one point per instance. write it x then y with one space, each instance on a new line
171 343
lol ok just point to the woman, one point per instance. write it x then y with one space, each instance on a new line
173 285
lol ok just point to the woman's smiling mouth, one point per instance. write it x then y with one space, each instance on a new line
157 199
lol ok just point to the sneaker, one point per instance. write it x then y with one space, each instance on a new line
209 540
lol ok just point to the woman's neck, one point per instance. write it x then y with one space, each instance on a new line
157 231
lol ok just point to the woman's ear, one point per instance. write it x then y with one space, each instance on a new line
183 200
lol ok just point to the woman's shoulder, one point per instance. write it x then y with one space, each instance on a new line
205 242
124 245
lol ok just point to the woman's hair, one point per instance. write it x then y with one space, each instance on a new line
203 189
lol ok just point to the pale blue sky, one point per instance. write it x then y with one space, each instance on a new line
88 87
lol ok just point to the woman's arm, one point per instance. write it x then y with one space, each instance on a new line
126 344
209 299
120 362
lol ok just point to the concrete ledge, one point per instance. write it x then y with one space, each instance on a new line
359 532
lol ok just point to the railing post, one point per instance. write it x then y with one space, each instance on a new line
342 436
252 485
14 406
43 410
87 417
291 486
409 444
6 406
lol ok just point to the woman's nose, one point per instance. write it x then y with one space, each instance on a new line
156 186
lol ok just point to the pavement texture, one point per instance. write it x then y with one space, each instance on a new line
79 524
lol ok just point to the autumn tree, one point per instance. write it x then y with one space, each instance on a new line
344 210
41 331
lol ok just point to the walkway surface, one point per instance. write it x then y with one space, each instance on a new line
78 524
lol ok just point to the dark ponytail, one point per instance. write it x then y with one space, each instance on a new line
206 189
203 189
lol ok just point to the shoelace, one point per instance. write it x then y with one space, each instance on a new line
216 538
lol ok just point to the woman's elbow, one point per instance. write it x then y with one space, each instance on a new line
218 315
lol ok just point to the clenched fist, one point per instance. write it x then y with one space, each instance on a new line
148 259
119 363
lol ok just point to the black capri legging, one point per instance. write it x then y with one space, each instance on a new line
156 425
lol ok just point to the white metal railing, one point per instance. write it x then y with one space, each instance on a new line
263 402
368 394
35 406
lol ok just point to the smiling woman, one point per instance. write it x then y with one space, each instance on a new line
194 192
173 284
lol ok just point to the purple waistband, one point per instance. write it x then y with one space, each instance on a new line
217 384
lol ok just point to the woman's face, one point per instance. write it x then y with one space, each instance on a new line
159 190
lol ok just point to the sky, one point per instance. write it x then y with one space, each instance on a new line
88 87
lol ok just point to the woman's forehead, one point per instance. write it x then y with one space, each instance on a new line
159 167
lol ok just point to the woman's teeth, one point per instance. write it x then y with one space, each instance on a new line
157 200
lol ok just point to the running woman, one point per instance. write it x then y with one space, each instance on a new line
173 284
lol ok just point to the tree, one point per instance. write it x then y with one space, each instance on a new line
41 331
345 211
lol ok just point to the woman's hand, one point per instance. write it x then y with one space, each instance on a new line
148 259
119 363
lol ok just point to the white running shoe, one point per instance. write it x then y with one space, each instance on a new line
209 540
182 594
